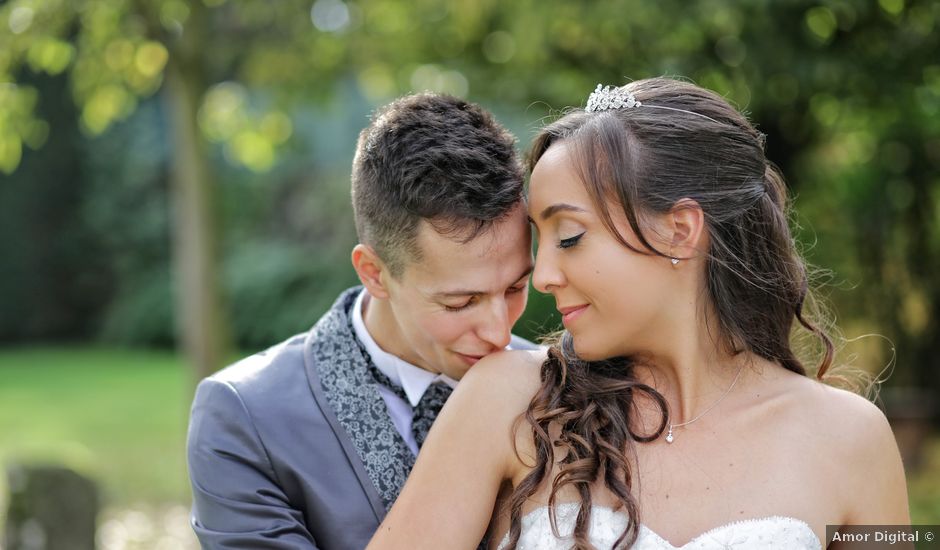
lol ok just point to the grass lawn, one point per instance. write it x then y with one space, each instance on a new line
117 415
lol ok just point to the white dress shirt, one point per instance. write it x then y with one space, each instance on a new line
412 379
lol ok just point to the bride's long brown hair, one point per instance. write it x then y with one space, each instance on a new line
683 142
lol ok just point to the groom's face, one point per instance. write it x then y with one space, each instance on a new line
459 302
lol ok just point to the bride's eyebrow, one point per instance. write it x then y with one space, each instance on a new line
556 208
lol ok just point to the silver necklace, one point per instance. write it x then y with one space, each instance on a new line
670 438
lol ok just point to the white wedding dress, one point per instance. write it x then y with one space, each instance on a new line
777 532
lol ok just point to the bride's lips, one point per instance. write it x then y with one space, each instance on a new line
569 314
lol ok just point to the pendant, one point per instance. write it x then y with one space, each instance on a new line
669 437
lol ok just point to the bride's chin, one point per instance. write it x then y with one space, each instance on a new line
587 352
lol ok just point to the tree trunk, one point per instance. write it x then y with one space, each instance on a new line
202 328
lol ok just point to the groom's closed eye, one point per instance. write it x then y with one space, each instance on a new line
468 303
473 300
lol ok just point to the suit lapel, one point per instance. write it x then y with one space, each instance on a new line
334 357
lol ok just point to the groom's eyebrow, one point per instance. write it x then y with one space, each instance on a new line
461 293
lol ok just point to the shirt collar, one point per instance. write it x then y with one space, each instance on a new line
411 378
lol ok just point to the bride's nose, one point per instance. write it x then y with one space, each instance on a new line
547 275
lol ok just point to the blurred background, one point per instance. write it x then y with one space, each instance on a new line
174 194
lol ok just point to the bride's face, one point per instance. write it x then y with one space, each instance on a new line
613 300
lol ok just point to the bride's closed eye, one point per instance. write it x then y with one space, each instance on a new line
570 241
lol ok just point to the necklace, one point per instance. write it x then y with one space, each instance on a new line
670 438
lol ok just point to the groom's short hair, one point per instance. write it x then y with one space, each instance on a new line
436 158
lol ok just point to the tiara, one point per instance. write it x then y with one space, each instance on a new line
604 98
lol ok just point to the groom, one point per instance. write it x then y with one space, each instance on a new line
307 444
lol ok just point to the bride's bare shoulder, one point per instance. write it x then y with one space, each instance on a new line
490 399
855 434
833 413
849 428
840 412
512 376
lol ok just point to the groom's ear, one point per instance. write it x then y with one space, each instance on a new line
370 269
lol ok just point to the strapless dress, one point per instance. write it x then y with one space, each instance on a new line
772 532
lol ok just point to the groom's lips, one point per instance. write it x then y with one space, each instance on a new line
469 359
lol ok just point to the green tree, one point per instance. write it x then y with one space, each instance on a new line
119 51
848 92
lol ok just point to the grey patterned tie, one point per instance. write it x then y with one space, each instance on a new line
428 408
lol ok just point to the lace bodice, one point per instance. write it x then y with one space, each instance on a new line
774 532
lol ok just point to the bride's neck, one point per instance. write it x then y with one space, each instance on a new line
692 369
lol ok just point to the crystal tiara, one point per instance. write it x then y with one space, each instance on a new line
604 98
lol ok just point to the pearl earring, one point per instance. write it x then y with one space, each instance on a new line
675 261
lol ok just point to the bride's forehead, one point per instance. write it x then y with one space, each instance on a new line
556 184
557 156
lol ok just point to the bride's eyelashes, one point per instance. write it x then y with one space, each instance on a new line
570 241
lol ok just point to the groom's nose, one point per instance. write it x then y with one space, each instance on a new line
494 325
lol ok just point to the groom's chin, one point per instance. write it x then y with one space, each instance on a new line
458 365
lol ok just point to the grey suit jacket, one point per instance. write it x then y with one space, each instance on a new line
294 448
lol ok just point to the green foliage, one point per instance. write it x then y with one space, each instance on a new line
924 487
41 51
17 126
285 259
540 318
141 314
116 53
848 92
279 289
53 281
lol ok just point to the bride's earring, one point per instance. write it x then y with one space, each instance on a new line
675 261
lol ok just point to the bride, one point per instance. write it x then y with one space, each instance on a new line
673 412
